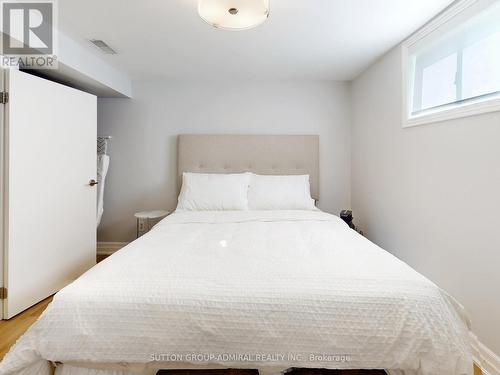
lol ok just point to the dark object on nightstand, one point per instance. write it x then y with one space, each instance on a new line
346 215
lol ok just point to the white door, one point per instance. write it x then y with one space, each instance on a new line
50 207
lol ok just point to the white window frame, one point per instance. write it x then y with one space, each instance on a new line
452 111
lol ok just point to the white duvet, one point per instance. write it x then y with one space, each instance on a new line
266 290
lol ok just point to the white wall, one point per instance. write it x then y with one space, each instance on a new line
430 194
144 129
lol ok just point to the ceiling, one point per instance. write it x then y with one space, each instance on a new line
302 39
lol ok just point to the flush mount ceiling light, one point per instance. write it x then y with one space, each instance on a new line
234 14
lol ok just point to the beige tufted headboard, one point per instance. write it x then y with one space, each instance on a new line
262 154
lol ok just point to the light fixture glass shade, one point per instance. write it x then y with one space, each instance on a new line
234 14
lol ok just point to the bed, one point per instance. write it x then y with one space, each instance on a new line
267 290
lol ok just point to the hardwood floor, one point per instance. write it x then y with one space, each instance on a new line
101 257
11 330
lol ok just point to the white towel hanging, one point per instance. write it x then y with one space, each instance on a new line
102 170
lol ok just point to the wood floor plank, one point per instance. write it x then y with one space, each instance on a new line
101 257
12 329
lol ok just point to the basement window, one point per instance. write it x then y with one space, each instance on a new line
452 66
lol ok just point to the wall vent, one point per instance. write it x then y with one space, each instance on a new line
103 46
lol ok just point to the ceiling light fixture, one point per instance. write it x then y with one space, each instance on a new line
234 14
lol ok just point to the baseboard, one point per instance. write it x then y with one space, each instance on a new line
108 248
484 358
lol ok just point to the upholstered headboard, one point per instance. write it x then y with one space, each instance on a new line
261 154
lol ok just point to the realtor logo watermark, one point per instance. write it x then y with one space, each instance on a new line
29 34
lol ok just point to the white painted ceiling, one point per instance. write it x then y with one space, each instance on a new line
302 39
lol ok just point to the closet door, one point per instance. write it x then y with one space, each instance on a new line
50 205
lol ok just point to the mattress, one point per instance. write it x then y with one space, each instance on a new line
249 289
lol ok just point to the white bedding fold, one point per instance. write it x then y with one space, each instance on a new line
294 283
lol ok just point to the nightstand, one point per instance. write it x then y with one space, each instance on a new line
147 220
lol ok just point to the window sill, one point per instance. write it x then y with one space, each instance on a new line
467 110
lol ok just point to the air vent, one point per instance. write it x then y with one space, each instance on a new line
103 47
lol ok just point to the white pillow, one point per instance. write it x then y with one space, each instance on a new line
214 192
280 193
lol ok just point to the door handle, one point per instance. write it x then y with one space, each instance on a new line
93 182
